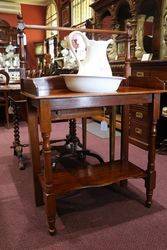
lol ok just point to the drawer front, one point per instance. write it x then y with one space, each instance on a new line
140 73
139 131
143 106
140 115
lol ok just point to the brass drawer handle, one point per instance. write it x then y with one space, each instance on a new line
139 73
138 131
139 115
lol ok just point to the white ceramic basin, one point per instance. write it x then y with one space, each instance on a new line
81 83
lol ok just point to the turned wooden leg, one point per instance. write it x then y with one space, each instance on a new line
48 188
35 152
112 124
150 179
17 146
84 123
124 140
6 112
150 185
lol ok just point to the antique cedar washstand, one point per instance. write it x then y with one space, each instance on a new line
71 139
54 99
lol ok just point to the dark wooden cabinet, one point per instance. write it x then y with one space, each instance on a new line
139 114
140 121
148 22
8 35
156 68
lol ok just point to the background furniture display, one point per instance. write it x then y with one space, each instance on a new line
144 17
39 52
140 114
8 46
7 34
148 36
9 62
10 92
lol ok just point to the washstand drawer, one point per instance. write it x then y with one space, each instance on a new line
139 131
140 115
140 73
144 106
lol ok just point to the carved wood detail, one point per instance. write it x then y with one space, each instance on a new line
101 7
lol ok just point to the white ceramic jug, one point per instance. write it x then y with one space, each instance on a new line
95 62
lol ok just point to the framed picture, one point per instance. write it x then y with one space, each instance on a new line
66 15
147 57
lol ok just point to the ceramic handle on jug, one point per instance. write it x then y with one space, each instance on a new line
71 37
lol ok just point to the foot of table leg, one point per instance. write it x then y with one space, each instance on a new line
51 225
50 207
149 194
52 232
150 185
124 183
148 202
21 164
17 146
18 150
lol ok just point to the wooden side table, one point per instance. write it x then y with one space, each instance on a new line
44 101
16 99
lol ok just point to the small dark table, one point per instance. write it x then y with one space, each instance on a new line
13 89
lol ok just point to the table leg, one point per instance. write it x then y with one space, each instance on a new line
35 152
112 123
124 140
72 141
84 138
17 146
49 195
150 180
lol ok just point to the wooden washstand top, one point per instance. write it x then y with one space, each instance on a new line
54 87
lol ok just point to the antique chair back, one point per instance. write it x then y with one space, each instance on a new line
4 94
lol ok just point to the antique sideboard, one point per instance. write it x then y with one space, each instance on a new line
140 118
51 99
140 114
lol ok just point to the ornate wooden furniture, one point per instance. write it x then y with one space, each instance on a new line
52 98
12 92
4 94
140 113
148 36
144 16
7 34
140 118
18 103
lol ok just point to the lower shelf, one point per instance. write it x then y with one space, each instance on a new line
70 179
